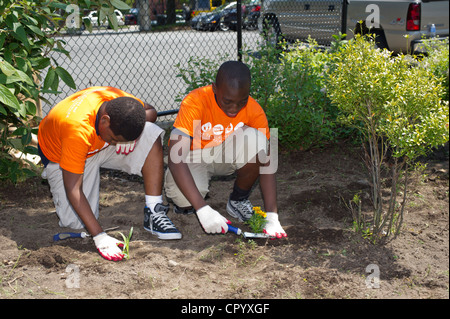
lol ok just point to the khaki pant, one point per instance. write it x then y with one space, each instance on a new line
238 149
107 158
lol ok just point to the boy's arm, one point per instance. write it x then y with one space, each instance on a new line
73 185
178 150
107 246
268 186
150 113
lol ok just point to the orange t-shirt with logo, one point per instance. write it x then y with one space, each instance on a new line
201 118
68 135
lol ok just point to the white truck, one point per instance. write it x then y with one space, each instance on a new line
399 25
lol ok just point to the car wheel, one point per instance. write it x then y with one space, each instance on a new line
223 26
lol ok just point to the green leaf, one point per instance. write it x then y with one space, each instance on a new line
7 68
120 5
88 24
7 98
112 18
35 29
20 34
49 78
22 77
2 39
66 77
3 110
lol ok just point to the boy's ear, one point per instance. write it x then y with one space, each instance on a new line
105 120
214 88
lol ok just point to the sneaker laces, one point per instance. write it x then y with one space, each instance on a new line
162 220
244 207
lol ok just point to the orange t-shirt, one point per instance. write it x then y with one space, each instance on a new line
68 135
201 118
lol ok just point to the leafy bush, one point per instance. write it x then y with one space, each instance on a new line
292 93
402 113
437 61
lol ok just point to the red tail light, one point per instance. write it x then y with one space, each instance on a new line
413 17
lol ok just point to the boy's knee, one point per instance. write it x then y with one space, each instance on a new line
250 145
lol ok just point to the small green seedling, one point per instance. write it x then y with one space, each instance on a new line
126 242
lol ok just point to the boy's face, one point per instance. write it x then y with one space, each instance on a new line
231 100
106 133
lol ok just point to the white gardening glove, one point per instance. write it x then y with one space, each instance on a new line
273 226
212 221
109 247
125 147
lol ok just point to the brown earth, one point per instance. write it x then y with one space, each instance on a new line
322 257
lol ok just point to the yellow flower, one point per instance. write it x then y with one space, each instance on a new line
259 211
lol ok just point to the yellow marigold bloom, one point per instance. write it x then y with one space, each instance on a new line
259 211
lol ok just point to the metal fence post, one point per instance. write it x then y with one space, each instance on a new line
344 17
239 28
144 15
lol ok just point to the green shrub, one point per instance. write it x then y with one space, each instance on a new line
300 107
437 61
402 113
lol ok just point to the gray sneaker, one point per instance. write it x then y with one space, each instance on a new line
242 210
159 224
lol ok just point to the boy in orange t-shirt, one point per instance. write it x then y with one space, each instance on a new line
74 141
220 130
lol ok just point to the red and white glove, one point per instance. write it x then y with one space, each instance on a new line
109 247
125 147
212 221
273 226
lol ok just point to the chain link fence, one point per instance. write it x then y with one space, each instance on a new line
143 62
140 57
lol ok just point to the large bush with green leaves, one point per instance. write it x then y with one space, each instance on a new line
291 87
28 30
397 105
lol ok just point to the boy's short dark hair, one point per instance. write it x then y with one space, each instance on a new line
127 117
234 73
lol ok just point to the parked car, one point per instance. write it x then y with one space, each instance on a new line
131 18
249 17
252 13
399 25
228 20
211 20
93 17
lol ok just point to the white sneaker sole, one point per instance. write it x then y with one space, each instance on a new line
165 236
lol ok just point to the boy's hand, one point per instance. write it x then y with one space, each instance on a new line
125 147
109 247
212 221
273 226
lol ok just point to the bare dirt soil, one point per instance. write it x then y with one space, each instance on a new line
322 257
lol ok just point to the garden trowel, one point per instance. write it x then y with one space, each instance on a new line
238 231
